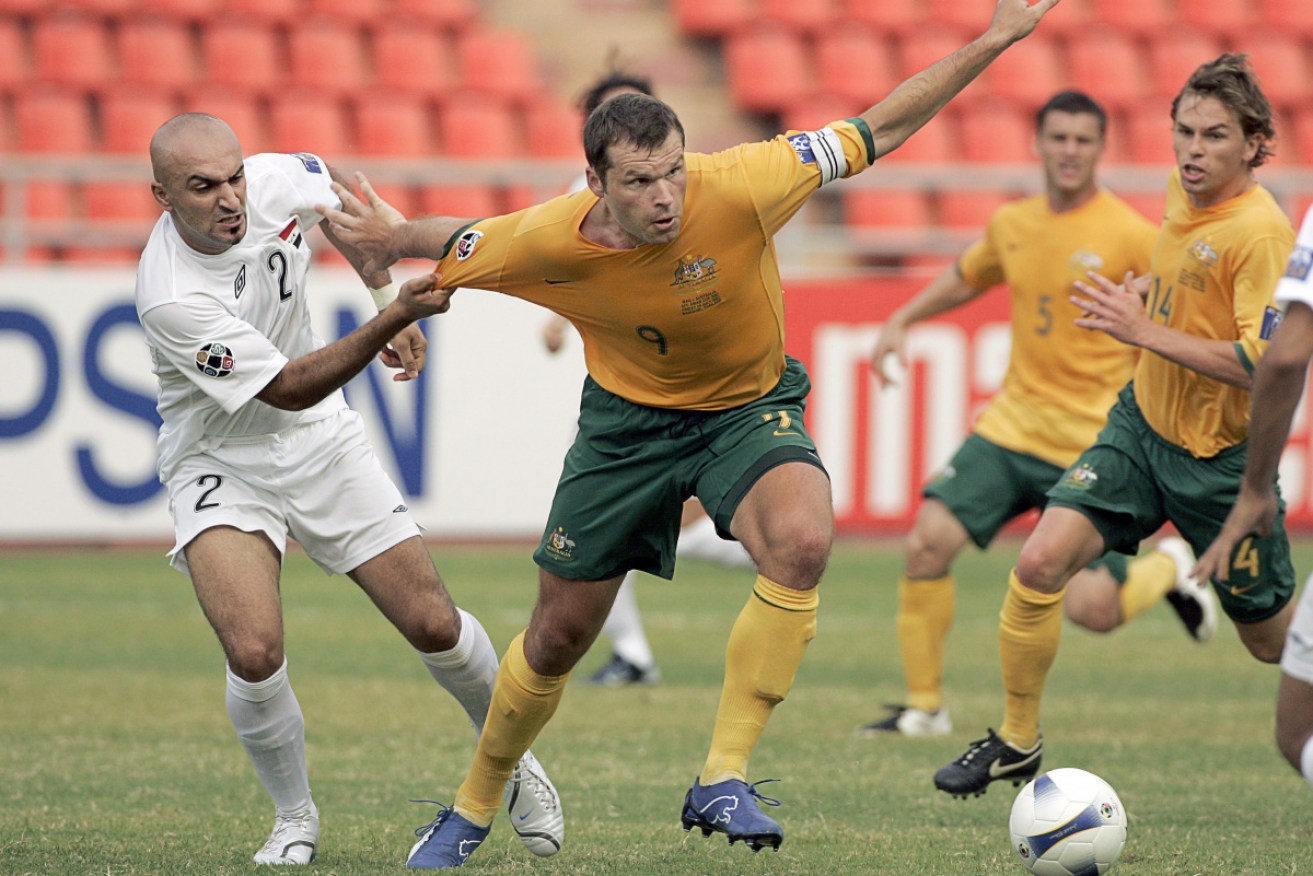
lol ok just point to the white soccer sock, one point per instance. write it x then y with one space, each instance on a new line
1306 761
271 728
624 627
468 670
699 540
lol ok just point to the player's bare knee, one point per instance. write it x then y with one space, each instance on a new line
254 660
1095 618
924 557
1040 569
1265 651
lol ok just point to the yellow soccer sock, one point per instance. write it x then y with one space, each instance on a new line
765 649
1147 580
925 615
522 703
1028 632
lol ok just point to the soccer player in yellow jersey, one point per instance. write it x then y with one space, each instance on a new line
1173 449
666 266
1060 382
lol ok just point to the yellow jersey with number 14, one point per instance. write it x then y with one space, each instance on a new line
694 324
1214 273
1061 378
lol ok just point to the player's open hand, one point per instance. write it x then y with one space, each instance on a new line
1252 514
1113 308
367 223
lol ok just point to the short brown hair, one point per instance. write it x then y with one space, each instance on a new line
639 119
1231 80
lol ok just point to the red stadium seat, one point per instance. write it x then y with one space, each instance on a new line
327 55
969 208
855 64
1146 18
52 121
244 55
465 202
768 69
888 16
185 10
15 68
128 119
1028 73
811 17
713 18
936 142
1228 19
355 13
1092 60
996 131
44 200
1300 135
1289 16
310 121
553 129
933 43
452 15
241 111
1068 19
971 15
1149 133
413 58
1283 66
394 125
886 208
479 129
1175 54
72 50
498 62
263 12
120 200
157 51
815 111
112 9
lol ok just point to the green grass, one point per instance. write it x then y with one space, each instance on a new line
116 756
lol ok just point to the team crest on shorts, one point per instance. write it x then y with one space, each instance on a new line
214 360
560 545
1082 478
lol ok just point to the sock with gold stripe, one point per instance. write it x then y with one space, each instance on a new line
522 703
925 615
765 649
1030 626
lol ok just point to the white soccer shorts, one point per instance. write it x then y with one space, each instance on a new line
1297 656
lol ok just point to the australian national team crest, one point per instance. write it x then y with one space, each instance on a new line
693 271
559 545
1080 478
214 360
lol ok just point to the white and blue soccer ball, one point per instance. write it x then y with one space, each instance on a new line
1068 822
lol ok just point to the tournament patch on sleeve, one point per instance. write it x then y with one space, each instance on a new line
1301 261
1271 320
823 149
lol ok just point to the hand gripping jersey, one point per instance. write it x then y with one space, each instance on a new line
1061 378
1297 282
220 327
1213 274
694 324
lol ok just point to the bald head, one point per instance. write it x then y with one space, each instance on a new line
200 179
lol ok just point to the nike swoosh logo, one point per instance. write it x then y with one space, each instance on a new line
1241 591
779 434
523 817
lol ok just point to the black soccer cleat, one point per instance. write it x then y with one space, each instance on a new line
989 760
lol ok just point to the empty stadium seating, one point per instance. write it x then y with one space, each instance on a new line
767 68
128 119
157 51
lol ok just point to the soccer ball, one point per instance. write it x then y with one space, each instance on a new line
1068 822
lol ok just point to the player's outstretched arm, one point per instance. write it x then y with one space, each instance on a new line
1278 385
917 100
308 380
945 292
380 233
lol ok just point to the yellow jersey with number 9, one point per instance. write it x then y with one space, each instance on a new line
1061 378
694 324
1214 273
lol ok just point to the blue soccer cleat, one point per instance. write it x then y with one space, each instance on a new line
445 842
731 808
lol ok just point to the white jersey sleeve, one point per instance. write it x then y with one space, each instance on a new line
225 357
1297 283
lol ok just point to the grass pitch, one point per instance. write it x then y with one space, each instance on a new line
116 756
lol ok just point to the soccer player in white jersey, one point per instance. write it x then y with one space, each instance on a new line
257 443
1278 385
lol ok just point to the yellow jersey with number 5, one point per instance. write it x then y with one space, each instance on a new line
1061 378
1214 273
693 324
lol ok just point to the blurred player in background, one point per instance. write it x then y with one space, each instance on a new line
1173 450
258 444
1278 385
1060 382
666 267
632 660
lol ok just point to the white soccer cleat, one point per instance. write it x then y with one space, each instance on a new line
906 721
535 807
293 841
1195 604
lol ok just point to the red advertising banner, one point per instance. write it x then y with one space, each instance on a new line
880 445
